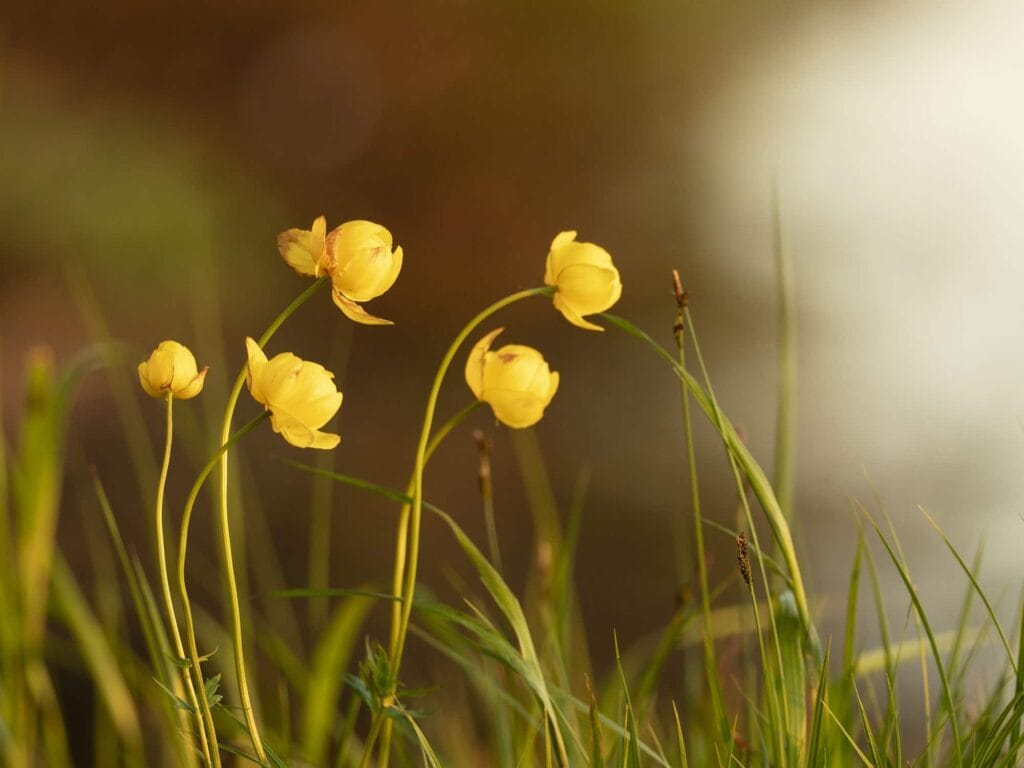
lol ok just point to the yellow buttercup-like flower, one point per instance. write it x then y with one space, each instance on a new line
585 279
357 256
514 380
300 395
171 369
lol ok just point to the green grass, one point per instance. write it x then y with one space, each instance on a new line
517 685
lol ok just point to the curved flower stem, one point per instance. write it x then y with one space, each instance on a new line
407 573
402 537
401 540
225 524
165 584
190 631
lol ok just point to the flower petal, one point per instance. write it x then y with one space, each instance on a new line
299 434
572 317
561 239
518 410
194 387
145 382
475 363
588 288
355 312
255 366
301 248
552 385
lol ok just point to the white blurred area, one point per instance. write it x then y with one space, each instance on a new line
897 137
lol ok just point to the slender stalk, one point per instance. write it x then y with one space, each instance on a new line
421 451
190 631
710 664
225 524
401 541
161 551
751 469
773 707
406 574
402 537
483 445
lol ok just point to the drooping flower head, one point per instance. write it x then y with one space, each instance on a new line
300 395
171 369
585 279
358 257
514 380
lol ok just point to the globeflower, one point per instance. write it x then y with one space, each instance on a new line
171 369
357 256
585 280
300 395
514 380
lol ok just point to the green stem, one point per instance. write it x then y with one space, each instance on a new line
190 630
416 513
401 541
165 583
772 706
402 537
710 664
421 452
225 524
751 469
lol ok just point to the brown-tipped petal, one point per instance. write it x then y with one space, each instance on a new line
300 248
355 312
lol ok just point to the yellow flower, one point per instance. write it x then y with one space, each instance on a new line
171 369
300 395
357 256
515 380
584 277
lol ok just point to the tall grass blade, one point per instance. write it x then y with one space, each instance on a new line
817 739
73 609
752 471
851 741
1018 686
787 364
680 741
969 573
793 677
327 670
936 654
596 734
631 757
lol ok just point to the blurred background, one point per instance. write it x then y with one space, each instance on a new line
150 155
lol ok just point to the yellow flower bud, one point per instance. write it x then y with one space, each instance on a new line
171 369
514 380
300 395
584 277
358 257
